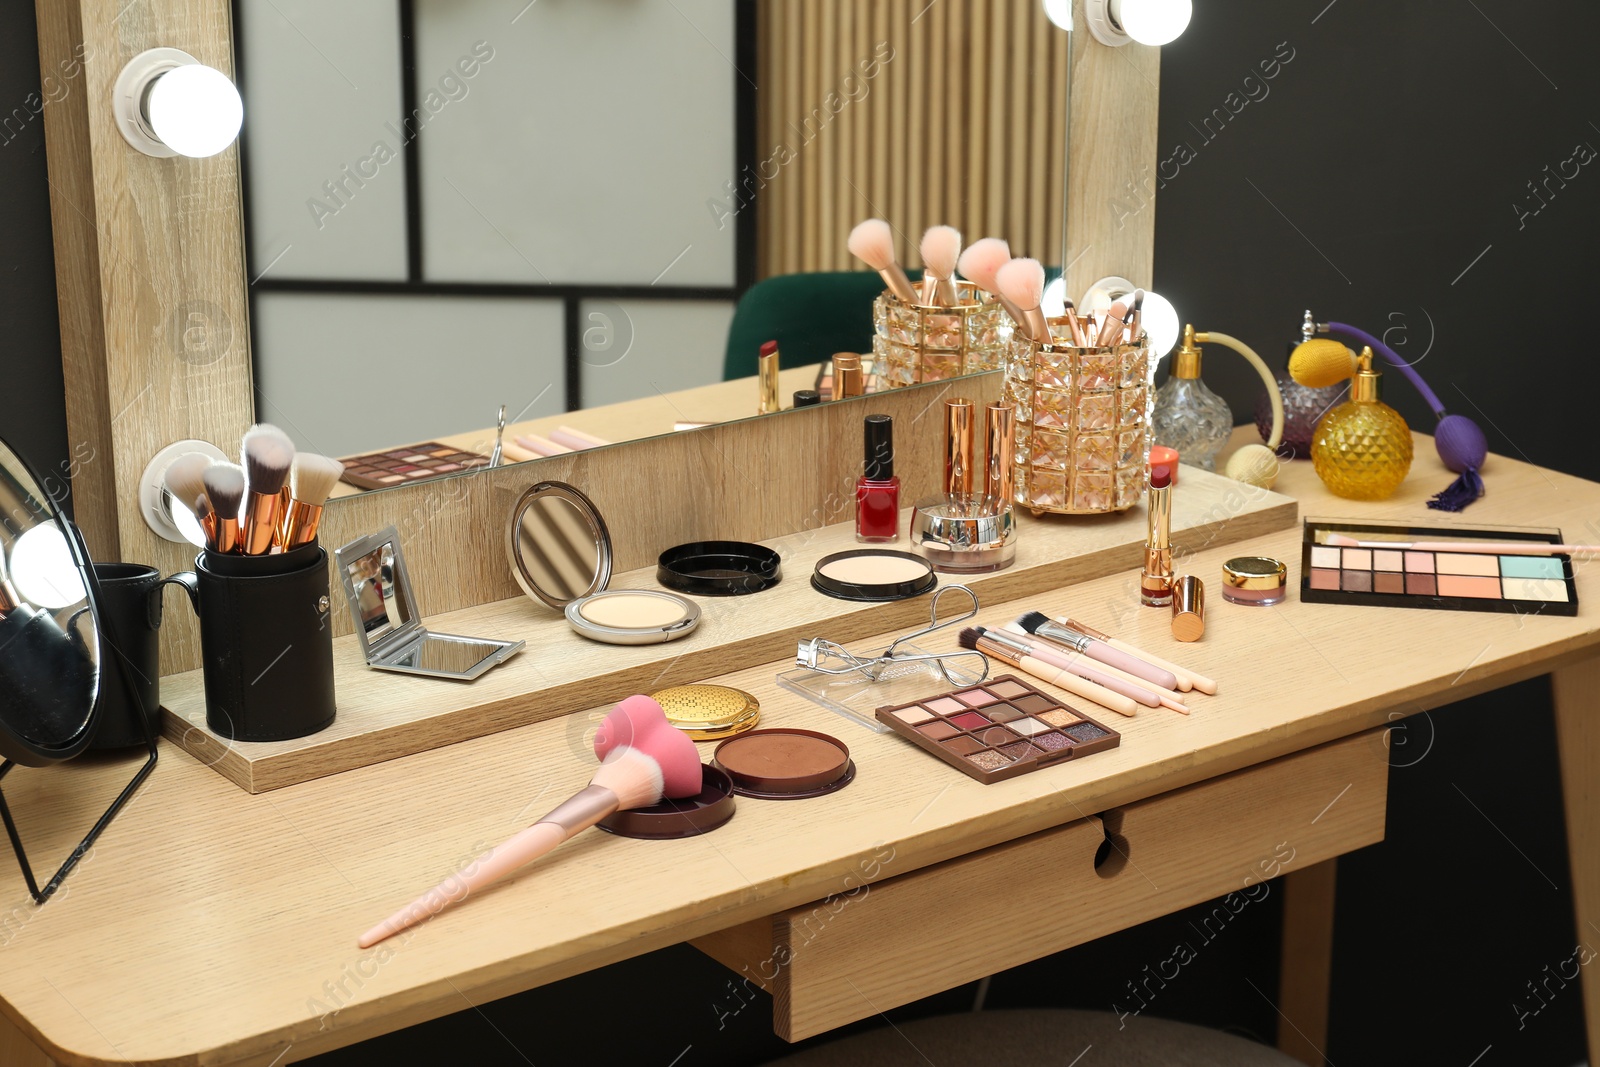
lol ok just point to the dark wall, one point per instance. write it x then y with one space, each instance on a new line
1363 181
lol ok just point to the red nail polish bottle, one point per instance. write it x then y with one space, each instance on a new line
878 490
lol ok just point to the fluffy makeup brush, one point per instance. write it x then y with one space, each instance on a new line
267 453
208 521
311 480
644 758
224 484
184 480
872 242
1022 282
980 261
941 250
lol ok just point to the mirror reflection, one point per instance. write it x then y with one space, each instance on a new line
560 549
49 644
380 600
596 213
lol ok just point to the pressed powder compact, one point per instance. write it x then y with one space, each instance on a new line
873 574
560 555
681 817
785 764
709 712
719 568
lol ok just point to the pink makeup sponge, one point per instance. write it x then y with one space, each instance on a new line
639 723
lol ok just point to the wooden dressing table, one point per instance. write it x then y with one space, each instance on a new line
205 924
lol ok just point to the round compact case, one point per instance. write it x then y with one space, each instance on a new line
708 712
785 764
686 817
719 568
873 574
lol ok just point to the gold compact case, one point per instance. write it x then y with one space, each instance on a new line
709 712
970 534
1254 580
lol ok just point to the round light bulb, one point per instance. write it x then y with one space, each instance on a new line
1054 301
1160 321
1059 12
43 571
195 110
1153 22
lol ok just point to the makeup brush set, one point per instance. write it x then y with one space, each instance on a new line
271 502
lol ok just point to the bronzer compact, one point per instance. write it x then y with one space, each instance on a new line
560 553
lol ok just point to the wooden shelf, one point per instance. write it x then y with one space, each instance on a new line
384 715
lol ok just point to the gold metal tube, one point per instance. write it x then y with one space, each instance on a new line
1000 426
767 402
847 376
958 447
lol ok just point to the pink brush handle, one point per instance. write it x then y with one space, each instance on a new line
544 447
525 847
574 439
1116 685
1122 661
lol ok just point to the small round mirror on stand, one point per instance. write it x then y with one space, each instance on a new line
52 646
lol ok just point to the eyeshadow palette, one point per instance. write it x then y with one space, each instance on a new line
380 470
1405 577
998 730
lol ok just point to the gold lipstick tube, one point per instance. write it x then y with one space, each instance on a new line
1155 582
958 447
767 372
1000 423
847 380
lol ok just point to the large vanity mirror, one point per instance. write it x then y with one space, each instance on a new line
457 205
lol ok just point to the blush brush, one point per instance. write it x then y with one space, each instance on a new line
872 242
980 261
941 250
1022 282
643 759
267 453
311 481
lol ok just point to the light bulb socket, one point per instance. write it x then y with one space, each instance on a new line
130 97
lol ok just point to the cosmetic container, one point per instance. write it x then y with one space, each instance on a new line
878 490
912 343
1303 405
1188 415
1258 581
1362 448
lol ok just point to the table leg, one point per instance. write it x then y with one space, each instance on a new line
17 1051
1306 973
1576 692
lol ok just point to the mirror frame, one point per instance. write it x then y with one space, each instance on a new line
150 273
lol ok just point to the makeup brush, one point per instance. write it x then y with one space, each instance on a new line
1021 281
1187 679
267 453
1009 650
1146 693
183 478
1039 624
1496 548
644 758
1112 325
208 521
1136 316
872 242
311 481
979 262
1074 327
224 484
941 251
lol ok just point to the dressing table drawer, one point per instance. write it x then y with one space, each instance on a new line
848 958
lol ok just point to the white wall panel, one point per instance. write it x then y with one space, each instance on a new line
634 348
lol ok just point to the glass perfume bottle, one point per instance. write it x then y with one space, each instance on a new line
1362 448
1302 404
1189 416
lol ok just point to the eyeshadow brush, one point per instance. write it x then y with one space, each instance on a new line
1108 677
1187 679
267 453
1008 650
1112 325
1039 624
1165 697
1490 548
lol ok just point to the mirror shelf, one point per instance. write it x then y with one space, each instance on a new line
383 716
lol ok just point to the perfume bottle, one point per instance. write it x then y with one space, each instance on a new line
1303 405
1189 416
878 490
1362 448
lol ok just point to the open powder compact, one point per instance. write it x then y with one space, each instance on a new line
785 764
560 554
873 574
682 817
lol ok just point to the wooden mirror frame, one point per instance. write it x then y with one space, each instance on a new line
150 262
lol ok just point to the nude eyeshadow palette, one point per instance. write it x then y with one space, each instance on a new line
1403 577
999 729
397 466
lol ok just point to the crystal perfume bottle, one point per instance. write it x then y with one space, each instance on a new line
1303 405
1362 448
1189 416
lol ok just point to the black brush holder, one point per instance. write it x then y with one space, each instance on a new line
130 609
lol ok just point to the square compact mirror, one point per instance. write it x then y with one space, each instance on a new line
372 570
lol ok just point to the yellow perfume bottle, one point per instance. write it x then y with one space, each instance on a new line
1362 448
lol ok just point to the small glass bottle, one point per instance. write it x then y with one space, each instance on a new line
1303 405
878 490
1189 416
1362 448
